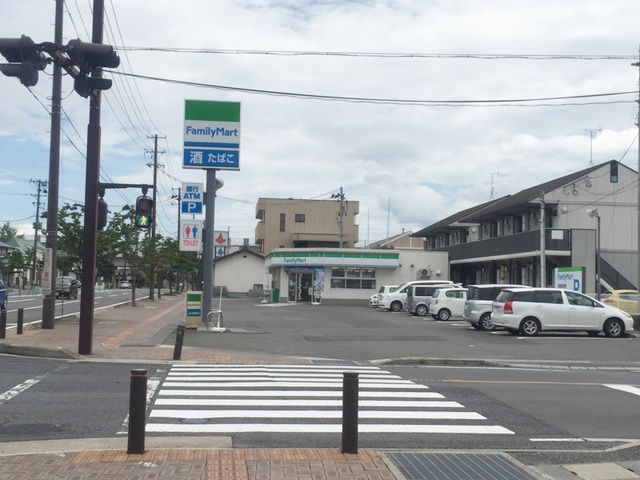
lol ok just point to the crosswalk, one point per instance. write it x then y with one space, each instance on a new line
225 399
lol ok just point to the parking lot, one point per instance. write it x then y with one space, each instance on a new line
362 333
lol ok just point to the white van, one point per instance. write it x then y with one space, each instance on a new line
397 300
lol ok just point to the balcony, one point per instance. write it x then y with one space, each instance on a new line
511 245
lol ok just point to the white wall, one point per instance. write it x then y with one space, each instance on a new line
239 272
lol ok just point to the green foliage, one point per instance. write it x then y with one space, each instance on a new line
7 232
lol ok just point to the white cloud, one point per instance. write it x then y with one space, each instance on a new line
408 166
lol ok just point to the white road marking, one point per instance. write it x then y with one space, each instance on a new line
217 402
298 393
18 389
624 388
313 414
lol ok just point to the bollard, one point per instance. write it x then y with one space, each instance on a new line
350 412
137 411
20 321
177 350
3 323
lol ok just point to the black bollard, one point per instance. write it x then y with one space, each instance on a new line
3 323
137 411
20 320
177 350
350 412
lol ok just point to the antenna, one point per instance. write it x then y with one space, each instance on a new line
493 192
593 132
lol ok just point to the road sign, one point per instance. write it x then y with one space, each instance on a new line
191 236
211 135
192 198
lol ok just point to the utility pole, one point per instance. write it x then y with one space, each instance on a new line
543 242
638 212
152 267
37 226
341 214
179 198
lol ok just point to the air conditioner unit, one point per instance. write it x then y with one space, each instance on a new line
424 273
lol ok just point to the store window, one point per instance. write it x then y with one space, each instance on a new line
353 278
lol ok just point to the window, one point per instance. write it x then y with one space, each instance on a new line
283 217
613 174
353 278
299 218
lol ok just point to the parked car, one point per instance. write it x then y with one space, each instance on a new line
477 307
419 298
396 300
626 300
66 287
447 302
374 299
3 296
125 284
528 311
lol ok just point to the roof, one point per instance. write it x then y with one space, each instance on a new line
243 250
508 204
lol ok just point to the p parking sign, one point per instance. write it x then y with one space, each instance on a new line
192 198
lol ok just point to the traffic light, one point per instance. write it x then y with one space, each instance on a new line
103 211
87 57
144 212
24 57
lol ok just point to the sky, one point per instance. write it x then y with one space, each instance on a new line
417 109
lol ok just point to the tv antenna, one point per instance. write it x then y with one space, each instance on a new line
593 132
493 191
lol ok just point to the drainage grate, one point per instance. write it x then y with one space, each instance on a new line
334 362
458 466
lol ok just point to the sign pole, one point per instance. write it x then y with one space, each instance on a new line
208 246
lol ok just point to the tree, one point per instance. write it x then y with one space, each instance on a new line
70 234
7 232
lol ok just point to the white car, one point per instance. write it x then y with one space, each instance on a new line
373 300
397 300
447 302
528 311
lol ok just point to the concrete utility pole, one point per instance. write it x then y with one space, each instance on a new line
51 245
543 241
41 184
341 214
638 212
152 265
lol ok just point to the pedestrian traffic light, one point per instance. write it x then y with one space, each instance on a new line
144 212
24 57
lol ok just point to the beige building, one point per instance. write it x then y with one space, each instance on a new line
301 223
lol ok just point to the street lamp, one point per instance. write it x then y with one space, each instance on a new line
594 214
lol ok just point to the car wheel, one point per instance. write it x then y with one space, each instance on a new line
485 322
593 333
530 327
444 314
614 328
421 310
396 306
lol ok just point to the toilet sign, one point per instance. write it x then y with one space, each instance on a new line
192 198
191 236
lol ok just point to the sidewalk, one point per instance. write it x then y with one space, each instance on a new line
124 333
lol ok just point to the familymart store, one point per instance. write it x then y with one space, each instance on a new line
315 275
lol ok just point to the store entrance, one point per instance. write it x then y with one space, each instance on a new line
300 287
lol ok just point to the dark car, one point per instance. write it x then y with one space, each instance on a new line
3 295
67 287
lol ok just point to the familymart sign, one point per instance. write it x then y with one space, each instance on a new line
211 135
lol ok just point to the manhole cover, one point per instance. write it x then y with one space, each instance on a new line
458 466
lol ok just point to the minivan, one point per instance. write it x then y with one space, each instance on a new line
419 297
396 301
477 307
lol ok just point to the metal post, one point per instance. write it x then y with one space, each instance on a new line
20 321
598 271
3 323
90 232
350 412
177 350
137 411
208 244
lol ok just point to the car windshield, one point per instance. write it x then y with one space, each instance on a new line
63 282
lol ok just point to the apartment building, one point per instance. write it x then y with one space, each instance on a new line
301 223
522 238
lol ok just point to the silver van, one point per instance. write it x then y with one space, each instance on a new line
477 307
419 297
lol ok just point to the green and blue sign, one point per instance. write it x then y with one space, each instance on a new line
211 135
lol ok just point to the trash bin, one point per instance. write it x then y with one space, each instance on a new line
275 295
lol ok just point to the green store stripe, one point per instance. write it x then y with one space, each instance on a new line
207 110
